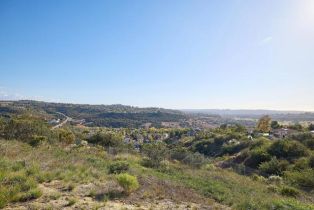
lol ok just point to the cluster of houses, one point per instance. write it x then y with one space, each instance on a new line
141 138
279 133
72 121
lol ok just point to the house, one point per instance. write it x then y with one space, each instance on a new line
54 121
282 132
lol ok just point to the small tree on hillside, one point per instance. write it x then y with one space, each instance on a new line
274 125
263 125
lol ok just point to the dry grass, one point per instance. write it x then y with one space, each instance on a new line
85 169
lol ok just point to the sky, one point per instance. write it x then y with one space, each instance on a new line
235 54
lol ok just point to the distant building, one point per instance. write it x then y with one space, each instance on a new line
282 132
54 121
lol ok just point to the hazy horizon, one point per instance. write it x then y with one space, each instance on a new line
174 108
172 54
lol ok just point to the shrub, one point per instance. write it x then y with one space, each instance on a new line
209 147
66 136
304 179
106 139
302 136
24 127
256 157
128 182
289 191
301 164
118 167
195 160
17 186
234 147
258 178
310 143
155 154
272 188
29 195
273 167
260 142
36 140
290 204
179 153
209 167
311 161
287 149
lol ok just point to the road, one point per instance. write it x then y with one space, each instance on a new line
63 122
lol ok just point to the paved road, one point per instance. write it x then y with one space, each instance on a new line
63 122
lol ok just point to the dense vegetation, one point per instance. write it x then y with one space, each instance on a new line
265 174
99 115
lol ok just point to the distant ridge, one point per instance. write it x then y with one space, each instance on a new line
242 112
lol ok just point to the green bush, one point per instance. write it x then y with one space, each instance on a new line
301 164
128 182
16 185
155 154
233 148
118 167
287 149
289 191
303 179
273 167
179 153
256 157
195 160
24 127
311 161
66 136
309 143
106 139
36 140
211 147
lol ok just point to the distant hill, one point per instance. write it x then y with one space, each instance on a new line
255 114
98 115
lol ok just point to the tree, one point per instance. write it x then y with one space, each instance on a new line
274 125
106 139
311 127
296 126
24 127
287 149
263 124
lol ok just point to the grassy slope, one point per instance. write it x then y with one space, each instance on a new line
83 165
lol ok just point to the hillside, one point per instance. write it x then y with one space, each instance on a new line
293 116
76 167
97 115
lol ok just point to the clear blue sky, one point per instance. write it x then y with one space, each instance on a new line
173 54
